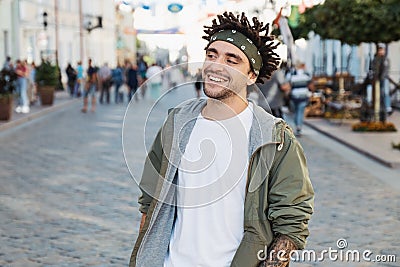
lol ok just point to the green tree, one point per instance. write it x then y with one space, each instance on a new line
354 21
47 74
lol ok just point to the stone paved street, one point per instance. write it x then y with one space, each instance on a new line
66 195
67 199
351 203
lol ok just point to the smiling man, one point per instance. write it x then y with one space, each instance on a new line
224 179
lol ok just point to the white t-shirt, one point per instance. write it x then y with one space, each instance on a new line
212 184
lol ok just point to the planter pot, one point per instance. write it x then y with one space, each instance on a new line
46 95
6 107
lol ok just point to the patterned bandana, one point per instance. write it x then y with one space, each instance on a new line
243 43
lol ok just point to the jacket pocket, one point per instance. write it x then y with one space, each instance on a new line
251 251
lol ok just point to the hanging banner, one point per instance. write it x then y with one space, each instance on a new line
175 7
165 31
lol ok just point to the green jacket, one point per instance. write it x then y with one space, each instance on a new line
279 197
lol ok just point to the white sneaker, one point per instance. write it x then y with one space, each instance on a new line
25 109
18 109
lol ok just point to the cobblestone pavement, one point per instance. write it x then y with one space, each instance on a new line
67 199
66 196
351 203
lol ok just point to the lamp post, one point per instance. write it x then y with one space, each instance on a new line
60 85
81 31
43 37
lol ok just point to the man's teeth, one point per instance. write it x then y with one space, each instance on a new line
215 79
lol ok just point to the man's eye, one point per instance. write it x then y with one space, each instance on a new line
211 56
230 61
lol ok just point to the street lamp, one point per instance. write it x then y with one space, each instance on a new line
43 36
45 20
99 24
45 24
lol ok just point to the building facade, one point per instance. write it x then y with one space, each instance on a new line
330 57
58 29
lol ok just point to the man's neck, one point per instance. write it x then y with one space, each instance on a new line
224 109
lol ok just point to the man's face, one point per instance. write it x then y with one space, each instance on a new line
381 51
226 71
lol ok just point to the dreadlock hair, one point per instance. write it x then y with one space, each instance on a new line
264 43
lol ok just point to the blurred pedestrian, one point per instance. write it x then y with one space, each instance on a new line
32 84
276 89
80 79
132 81
23 100
381 65
154 80
8 64
90 87
198 84
142 68
72 77
118 81
167 81
104 76
176 76
299 95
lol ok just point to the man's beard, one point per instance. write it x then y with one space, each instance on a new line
215 90
220 94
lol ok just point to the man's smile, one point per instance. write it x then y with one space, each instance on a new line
216 78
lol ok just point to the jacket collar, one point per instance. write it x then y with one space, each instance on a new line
263 133
262 130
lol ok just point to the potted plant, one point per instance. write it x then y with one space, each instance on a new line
46 77
7 87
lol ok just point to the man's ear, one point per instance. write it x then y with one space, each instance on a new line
251 78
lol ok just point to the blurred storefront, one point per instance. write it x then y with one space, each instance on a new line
32 29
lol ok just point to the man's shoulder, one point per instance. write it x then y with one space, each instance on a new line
267 120
188 107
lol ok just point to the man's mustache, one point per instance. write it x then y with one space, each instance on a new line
217 73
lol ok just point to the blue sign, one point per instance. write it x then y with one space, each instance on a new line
175 7
146 7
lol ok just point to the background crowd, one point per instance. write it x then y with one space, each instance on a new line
289 88
25 84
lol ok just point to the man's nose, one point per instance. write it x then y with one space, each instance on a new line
217 65
220 60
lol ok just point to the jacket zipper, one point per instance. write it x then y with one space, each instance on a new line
248 170
255 151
